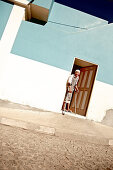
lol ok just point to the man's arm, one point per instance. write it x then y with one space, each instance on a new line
69 83
76 88
70 79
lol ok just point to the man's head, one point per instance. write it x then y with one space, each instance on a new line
77 73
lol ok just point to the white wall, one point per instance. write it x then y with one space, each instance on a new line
33 83
101 101
39 85
9 35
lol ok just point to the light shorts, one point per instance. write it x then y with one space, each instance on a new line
68 97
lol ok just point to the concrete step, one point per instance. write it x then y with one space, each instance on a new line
36 128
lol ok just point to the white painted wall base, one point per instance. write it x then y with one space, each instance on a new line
39 85
33 83
101 101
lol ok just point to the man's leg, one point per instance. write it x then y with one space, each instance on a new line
69 101
63 107
68 106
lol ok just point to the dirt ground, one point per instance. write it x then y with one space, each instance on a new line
24 150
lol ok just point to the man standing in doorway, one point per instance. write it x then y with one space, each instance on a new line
70 87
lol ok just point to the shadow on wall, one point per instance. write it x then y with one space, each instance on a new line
37 21
8 2
108 119
100 8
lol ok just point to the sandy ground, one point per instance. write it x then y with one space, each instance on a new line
24 150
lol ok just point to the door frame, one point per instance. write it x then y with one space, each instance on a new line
78 64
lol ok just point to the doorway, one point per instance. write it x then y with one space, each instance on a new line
80 101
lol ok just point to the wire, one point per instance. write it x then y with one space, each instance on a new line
67 25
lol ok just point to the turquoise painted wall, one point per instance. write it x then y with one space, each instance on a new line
56 47
5 10
71 20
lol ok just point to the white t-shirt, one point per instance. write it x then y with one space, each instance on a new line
73 80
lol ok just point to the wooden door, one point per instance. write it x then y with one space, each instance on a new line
81 99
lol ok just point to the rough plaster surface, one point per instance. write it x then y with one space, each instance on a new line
24 150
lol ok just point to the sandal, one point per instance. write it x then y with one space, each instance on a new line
70 111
